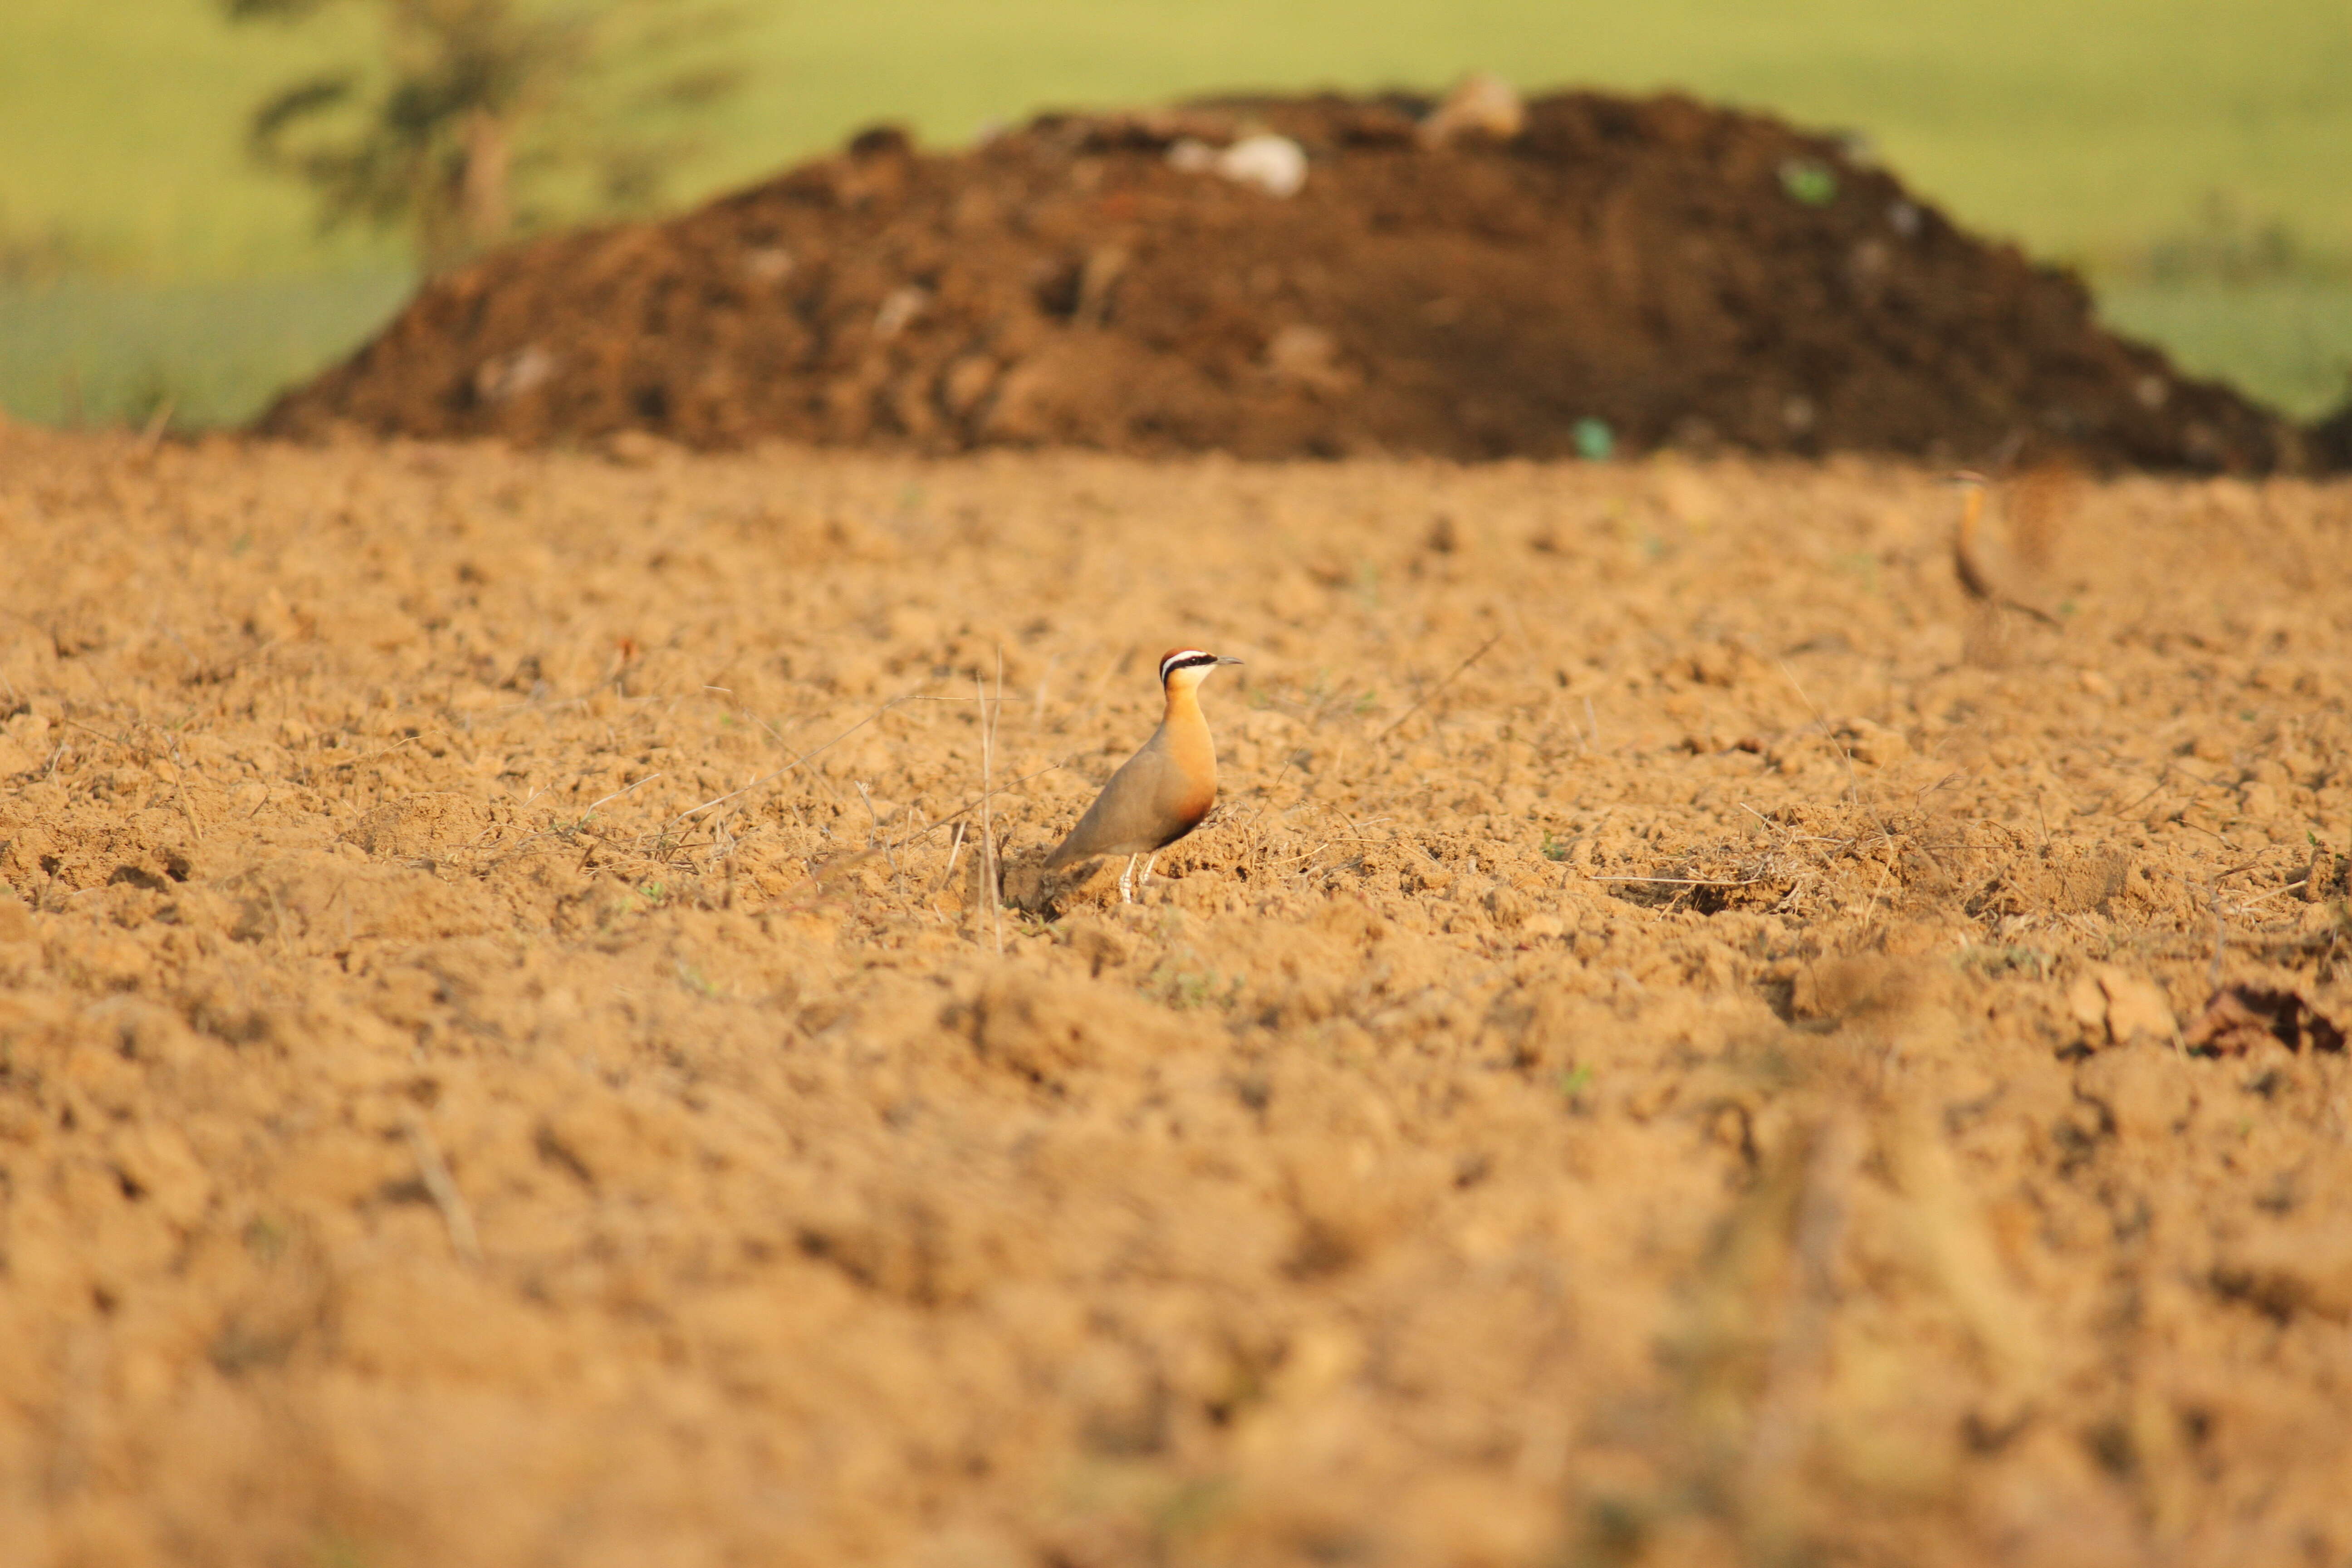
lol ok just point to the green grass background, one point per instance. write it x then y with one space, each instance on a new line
2093 131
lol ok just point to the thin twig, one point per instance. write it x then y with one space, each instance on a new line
180 787
1792 1379
2162 775
104 736
831 868
2220 939
816 879
153 434
874 820
974 804
1853 779
387 751
988 869
955 848
1433 692
618 793
796 761
726 855
995 866
442 1187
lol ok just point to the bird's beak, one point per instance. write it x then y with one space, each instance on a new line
1227 659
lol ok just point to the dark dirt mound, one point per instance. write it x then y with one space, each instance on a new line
1678 273
2330 442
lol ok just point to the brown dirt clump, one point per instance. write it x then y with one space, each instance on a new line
1686 1039
1678 274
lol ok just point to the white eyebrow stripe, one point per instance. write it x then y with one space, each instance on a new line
1184 658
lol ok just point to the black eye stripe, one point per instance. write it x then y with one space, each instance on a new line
1189 661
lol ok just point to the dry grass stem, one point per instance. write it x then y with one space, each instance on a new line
1423 701
442 1187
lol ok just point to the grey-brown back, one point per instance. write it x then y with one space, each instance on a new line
1151 801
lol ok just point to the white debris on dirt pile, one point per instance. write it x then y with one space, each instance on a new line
502 1046
1190 155
511 375
1482 104
1275 164
1309 355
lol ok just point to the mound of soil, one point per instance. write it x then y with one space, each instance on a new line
1618 274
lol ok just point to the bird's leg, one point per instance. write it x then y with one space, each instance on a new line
1153 859
1126 892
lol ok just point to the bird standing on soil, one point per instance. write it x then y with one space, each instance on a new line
1162 792
1984 569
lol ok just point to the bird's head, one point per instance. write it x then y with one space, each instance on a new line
1184 669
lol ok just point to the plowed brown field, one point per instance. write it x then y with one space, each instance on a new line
426 1137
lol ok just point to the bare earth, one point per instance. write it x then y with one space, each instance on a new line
426 1138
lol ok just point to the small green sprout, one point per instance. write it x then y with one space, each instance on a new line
1810 181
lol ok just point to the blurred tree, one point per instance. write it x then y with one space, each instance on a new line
484 119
